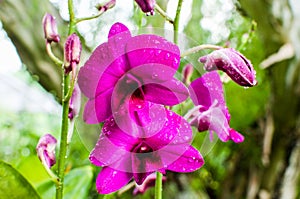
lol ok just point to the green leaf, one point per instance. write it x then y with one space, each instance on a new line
13 185
77 184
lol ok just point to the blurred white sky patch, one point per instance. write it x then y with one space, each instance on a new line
96 31
185 14
215 15
9 61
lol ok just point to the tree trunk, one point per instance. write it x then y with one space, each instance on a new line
22 20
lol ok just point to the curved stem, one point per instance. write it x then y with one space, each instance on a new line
89 18
158 185
163 13
56 60
102 9
200 47
176 21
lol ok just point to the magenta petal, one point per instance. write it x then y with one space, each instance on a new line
117 29
110 180
236 136
175 131
106 153
168 93
99 109
153 72
206 89
92 71
145 49
189 161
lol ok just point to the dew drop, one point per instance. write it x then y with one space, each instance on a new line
192 159
186 137
154 75
167 56
139 106
157 52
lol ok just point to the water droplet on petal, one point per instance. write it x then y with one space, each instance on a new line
154 75
157 52
167 56
191 159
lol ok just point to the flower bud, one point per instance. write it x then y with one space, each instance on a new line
233 63
50 28
147 6
72 52
74 106
187 73
106 6
148 183
46 150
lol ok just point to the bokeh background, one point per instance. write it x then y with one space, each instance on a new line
266 165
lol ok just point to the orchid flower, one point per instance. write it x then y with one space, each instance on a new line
211 111
163 144
126 71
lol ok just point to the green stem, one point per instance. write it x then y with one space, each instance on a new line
102 9
52 56
89 18
176 21
72 17
163 13
158 185
66 88
198 48
63 138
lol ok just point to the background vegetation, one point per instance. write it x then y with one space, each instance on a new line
266 165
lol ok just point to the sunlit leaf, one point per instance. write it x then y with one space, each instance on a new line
13 185
76 184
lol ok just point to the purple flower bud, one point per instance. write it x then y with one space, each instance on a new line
147 6
233 63
74 106
187 73
148 183
72 52
107 5
46 150
50 28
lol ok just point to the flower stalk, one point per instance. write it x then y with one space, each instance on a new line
67 90
176 21
163 13
199 48
158 185
102 9
56 60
